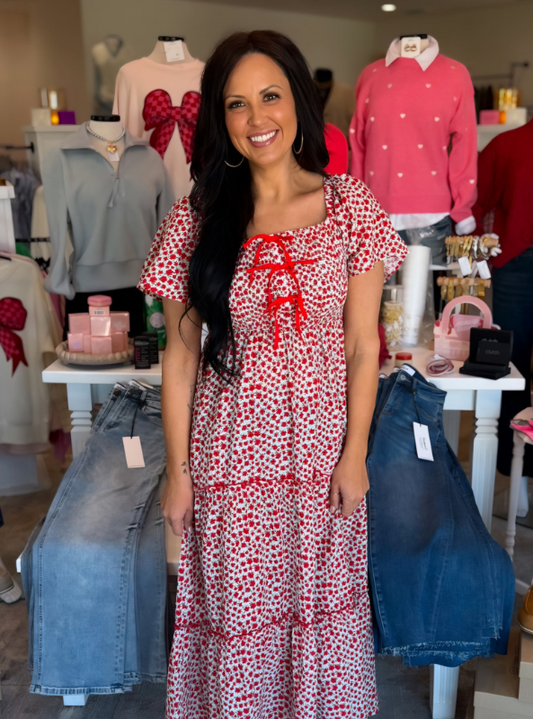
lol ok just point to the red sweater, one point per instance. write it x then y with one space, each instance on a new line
338 150
400 135
505 185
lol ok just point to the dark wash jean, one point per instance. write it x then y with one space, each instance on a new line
94 571
442 588
513 310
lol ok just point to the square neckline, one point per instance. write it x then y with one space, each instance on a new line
328 202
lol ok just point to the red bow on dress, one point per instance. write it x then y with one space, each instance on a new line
12 317
288 265
159 112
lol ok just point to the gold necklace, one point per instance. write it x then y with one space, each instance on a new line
112 144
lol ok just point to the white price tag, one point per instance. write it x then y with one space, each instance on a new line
408 369
423 442
464 264
410 46
133 452
113 156
174 51
483 269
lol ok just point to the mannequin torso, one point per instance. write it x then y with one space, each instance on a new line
110 131
158 54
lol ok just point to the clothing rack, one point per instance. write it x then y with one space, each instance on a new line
510 76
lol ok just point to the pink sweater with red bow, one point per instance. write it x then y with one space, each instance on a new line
400 137
159 103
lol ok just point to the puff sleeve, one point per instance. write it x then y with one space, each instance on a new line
165 272
366 229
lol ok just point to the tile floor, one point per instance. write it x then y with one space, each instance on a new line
403 691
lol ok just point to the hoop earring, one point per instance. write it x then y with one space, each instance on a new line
297 152
238 165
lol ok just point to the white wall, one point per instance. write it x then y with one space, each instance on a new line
345 46
486 40
40 45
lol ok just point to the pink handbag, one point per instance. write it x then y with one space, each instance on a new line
452 332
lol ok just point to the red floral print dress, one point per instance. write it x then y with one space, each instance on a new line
272 613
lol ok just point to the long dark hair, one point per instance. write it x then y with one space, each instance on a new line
222 196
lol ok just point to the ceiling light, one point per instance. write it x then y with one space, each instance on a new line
388 7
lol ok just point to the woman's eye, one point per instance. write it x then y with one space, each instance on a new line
235 104
271 96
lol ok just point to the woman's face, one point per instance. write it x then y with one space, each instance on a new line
260 111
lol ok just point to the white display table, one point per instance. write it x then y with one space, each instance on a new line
87 386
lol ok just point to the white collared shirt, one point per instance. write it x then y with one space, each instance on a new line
424 59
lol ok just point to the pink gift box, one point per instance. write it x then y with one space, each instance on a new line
79 323
489 117
120 321
99 305
118 341
101 326
87 348
75 341
101 345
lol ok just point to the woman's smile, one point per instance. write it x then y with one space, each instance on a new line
264 139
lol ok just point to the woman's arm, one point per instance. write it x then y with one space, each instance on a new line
180 366
361 346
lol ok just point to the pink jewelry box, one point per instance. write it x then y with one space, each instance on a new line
120 321
99 305
75 341
79 323
101 326
87 348
101 345
118 341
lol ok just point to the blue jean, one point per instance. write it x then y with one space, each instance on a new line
95 572
442 588
513 310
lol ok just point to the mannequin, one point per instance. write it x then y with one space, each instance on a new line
413 141
108 57
324 81
158 99
111 128
158 53
337 100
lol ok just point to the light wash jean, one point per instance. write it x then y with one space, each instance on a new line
94 572
442 588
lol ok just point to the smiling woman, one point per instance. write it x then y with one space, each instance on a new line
267 478
254 84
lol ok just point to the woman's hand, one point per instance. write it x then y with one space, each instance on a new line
177 504
349 481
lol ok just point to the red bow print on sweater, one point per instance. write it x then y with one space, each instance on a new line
12 317
159 113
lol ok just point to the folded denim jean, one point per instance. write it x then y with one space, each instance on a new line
442 588
96 569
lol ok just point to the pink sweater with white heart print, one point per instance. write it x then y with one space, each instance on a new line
400 136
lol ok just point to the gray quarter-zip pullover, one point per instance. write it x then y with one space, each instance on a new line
113 216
